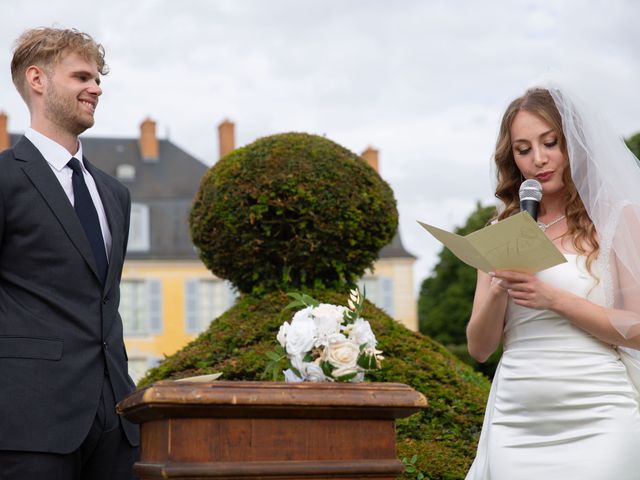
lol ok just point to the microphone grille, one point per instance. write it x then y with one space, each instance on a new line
531 190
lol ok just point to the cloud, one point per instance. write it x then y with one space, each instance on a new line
425 82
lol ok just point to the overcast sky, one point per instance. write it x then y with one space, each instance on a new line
425 82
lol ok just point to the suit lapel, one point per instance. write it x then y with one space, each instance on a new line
45 181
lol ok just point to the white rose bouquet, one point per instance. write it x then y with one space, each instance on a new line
324 342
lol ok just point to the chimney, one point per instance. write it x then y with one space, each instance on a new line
4 132
149 148
370 155
226 137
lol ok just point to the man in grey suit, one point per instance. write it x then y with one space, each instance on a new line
63 236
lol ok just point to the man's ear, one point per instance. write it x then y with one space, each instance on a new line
36 79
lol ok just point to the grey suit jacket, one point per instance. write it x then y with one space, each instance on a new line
60 331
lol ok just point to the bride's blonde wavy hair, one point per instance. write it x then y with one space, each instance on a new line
580 228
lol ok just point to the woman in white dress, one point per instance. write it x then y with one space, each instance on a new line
564 402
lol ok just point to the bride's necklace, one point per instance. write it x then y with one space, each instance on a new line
544 226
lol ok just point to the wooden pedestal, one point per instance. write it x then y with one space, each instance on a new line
268 430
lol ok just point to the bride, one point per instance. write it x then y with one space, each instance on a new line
564 402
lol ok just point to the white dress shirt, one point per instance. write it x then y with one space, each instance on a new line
57 157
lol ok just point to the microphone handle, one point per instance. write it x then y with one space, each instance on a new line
530 206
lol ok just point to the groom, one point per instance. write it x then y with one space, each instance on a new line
63 237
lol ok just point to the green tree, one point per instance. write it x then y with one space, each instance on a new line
446 297
633 142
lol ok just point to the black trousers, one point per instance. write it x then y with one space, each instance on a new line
104 455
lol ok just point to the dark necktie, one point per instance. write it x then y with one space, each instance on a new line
88 216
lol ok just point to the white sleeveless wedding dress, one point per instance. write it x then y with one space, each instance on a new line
562 405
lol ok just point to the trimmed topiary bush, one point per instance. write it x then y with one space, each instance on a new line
291 211
444 436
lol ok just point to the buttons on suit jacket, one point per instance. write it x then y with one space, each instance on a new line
105 300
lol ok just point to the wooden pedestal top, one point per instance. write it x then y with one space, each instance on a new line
237 399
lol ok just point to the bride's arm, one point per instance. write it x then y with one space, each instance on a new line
528 291
484 331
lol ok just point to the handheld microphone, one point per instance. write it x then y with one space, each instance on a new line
530 196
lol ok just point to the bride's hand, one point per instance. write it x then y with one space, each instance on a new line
526 290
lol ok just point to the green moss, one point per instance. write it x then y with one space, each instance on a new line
444 435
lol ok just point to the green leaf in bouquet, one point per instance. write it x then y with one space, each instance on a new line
294 304
309 301
273 356
349 317
327 368
277 362
296 371
301 300
367 361
347 377
308 358
273 370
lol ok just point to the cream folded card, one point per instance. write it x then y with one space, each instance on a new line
515 243
201 378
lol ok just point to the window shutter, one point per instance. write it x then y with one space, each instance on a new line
126 307
191 306
386 286
154 288
139 236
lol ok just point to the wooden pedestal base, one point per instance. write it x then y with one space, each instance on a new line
267 430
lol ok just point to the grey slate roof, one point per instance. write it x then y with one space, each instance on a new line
167 186
395 249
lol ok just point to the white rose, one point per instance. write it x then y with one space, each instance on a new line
335 338
342 356
327 311
313 373
328 319
291 377
297 363
303 315
301 334
362 334
282 333
340 372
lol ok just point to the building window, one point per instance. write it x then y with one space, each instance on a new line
206 300
379 291
141 307
139 365
126 172
139 228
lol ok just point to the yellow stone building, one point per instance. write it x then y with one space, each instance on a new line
167 295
